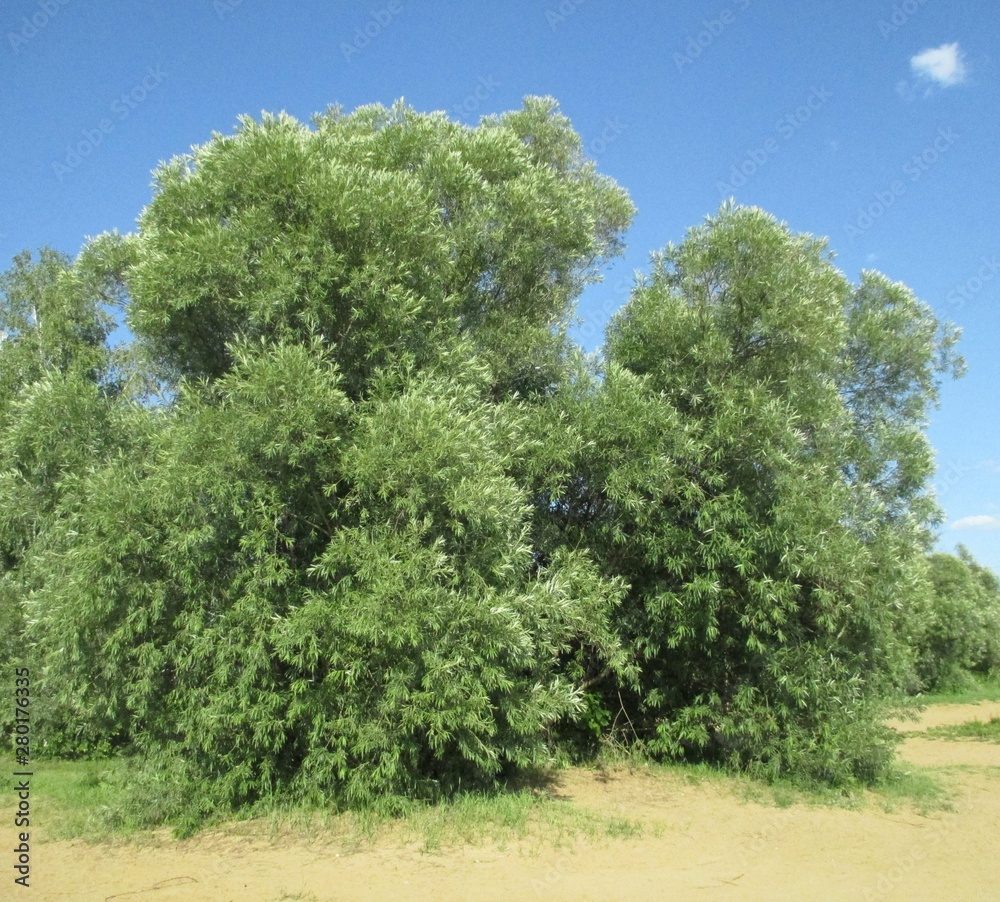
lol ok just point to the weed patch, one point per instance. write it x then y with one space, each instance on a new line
984 731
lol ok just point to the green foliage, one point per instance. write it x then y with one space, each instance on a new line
59 387
387 233
351 517
49 321
291 590
954 622
311 568
979 688
719 475
56 383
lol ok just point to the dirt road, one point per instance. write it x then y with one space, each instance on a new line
698 842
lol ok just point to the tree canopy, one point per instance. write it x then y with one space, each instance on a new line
387 233
352 515
732 478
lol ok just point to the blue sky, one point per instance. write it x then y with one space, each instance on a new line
873 123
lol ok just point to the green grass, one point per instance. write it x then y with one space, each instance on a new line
500 819
980 689
984 731
918 789
472 818
906 787
74 798
89 800
93 800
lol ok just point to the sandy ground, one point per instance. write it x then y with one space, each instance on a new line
698 842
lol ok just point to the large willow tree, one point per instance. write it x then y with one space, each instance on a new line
315 567
753 464
352 516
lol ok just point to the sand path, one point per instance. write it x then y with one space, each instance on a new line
698 842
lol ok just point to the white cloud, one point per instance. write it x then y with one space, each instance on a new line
944 65
979 521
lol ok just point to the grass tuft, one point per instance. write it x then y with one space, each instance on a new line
980 689
983 731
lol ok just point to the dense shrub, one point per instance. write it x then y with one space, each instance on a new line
726 475
955 622
351 516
